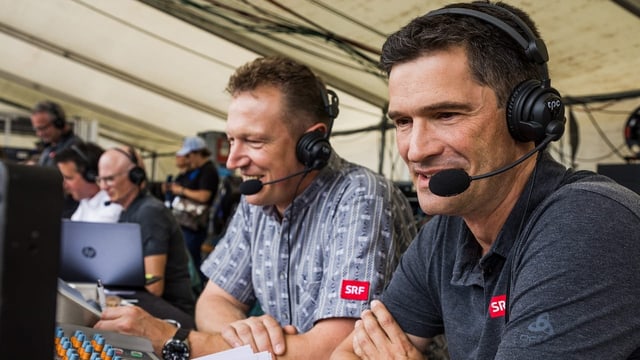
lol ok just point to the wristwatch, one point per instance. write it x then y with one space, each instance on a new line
177 348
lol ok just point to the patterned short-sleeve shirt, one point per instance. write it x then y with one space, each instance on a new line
331 253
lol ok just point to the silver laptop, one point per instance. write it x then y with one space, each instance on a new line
111 252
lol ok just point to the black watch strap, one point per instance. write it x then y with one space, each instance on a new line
181 334
177 348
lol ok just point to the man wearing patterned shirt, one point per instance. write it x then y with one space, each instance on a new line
313 246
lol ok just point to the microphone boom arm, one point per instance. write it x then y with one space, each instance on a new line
539 147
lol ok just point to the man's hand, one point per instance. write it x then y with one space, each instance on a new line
263 333
132 320
378 336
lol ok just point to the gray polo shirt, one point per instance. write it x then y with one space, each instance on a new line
572 268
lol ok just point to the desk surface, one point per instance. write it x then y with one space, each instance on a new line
160 308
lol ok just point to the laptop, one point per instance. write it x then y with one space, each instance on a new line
73 308
111 252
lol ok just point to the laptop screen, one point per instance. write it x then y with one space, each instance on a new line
111 252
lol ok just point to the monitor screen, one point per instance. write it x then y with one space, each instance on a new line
31 200
627 175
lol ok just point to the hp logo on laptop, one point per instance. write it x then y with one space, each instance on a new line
89 252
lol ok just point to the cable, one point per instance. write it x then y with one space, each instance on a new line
518 241
600 132
295 194
346 40
348 46
153 35
349 18
595 159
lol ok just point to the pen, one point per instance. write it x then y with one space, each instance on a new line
102 300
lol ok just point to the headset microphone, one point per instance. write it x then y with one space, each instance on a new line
254 186
452 182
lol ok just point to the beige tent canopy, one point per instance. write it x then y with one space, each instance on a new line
149 72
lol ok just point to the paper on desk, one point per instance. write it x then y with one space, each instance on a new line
239 353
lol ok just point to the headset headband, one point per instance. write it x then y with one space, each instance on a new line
534 48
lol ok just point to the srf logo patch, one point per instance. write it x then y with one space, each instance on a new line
498 306
354 290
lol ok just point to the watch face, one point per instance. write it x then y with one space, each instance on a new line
175 350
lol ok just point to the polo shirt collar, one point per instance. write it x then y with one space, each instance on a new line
469 264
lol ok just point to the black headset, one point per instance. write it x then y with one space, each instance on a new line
632 132
90 170
313 149
58 118
137 175
535 109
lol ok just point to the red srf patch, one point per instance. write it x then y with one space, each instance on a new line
498 306
354 290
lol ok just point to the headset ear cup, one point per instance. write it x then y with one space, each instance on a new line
58 123
89 169
56 112
90 175
137 175
533 112
313 150
632 132
516 119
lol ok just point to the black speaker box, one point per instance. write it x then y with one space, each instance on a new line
30 216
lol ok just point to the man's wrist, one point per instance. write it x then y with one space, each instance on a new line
177 347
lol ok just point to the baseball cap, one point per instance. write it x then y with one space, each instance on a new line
190 144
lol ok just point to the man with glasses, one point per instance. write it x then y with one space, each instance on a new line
165 255
50 125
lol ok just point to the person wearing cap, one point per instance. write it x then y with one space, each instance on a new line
199 185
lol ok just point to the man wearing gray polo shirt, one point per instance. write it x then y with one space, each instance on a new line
525 259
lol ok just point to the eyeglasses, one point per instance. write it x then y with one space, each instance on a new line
43 127
109 179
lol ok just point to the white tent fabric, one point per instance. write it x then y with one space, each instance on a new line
149 78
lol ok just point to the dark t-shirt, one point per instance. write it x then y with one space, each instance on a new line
203 178
572 268
49 152
161 234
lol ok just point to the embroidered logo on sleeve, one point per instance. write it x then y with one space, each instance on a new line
354 290
498 306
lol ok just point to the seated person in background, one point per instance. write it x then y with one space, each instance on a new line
537 262
165 255
312 248
78 165
199 184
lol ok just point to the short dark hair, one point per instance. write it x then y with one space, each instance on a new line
85 155
495 59
53 109
300 87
